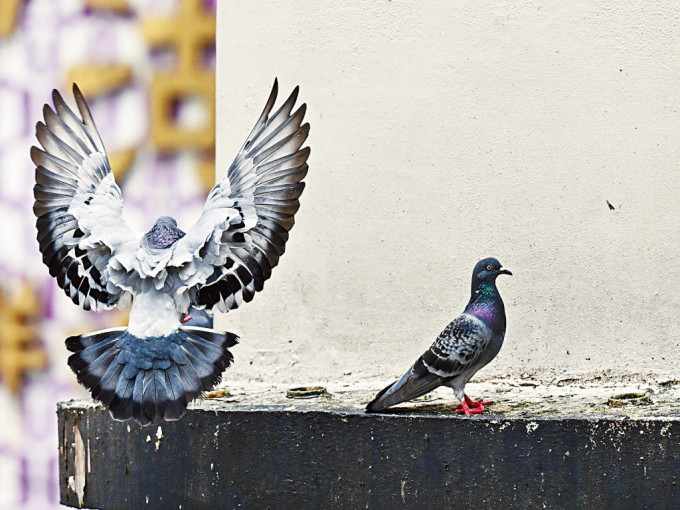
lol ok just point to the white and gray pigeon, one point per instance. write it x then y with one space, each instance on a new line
153 368
466 345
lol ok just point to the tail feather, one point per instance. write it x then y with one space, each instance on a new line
412 384
122 398
148 396
206 347
150 379
80 342
196 359
137 399
90 354
154 398
198 350
161 392
105 389
190 381
214 337
94 372
176 397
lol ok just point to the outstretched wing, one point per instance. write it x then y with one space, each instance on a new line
78 205
243 229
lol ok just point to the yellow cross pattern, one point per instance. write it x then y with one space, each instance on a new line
117 6
9 14
96 80
20 350
190 32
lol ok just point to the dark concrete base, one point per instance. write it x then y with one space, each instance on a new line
248 456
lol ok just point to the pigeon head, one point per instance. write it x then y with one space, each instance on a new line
485 301
487 270
164 233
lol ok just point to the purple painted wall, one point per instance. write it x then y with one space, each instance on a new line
50 39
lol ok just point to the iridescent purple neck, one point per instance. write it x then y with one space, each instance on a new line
487 312
487 305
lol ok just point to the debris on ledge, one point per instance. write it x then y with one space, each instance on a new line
513 397
562 445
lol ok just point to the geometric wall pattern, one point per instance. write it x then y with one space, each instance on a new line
150 86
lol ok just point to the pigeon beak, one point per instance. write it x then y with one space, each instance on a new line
502 270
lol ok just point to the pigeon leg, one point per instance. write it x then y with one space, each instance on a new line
469 406
464 408
476 403
186 318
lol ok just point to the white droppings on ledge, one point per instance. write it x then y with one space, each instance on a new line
79 466
159 435
72 483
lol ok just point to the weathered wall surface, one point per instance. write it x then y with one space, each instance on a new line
444 132
264 455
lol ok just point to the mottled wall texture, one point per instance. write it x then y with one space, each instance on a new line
131 62
544 133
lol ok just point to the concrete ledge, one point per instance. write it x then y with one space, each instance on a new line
326 453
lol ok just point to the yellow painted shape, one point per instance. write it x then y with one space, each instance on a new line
121 163
165 90
206 170
94 80
117 6
9 14
20 349
189 32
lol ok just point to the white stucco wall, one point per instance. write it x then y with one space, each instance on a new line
444 132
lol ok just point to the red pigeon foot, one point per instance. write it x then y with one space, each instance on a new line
469 406
474 403
464 408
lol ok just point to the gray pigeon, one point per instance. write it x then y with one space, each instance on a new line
467 344
153 368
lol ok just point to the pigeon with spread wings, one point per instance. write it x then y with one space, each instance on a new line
152 369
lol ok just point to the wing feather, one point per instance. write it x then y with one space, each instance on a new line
228 254
78 206
458 347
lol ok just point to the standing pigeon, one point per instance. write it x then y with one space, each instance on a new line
467 344
153 368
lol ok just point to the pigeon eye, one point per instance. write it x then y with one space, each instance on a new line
489 267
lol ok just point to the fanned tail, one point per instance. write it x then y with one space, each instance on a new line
150 379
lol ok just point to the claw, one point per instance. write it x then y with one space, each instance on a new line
469 406
464 408
474 410
474 403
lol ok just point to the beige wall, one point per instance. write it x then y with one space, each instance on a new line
444 132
